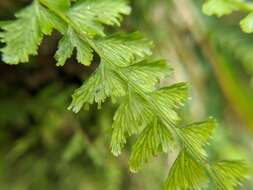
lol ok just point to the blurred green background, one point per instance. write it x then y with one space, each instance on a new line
44 147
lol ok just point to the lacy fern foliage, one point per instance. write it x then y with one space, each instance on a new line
225 7
131 78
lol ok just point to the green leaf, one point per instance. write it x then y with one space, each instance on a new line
168 99
125 49
49 21
84 52
227 175
62 5
131 117
247 23
196 135
66 46
136 111
154 139
2 23
89 15
102 84
65 50
23 36
148 74
219 7
185 174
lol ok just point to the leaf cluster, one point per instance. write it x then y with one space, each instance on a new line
131 78
225 7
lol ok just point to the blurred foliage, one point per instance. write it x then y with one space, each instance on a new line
43 146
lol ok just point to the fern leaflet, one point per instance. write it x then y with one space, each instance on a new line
225 7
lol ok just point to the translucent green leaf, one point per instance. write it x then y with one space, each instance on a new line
196 135
247 23
84 52
131 117
167 99
186 174
64 51
66 46
154 139
23 35
2 23
102 84
227 175
219 7
137 111
49 21
148 73
125 49
89 15
62 5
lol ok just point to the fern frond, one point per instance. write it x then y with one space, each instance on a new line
219 7
186 173
124 49
88 16
154 139
225 7
148 73
68 43
130 118
62 5
167 99
247 23
140 113
227 175
126 74
24 35
196 135
102 84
